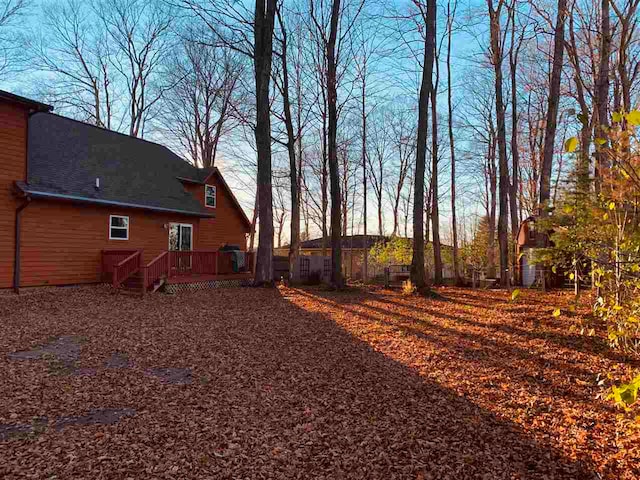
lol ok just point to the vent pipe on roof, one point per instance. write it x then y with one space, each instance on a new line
97 184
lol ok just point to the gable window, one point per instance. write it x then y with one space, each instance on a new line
210 196
118 227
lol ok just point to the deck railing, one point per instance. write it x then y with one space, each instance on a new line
156 269
126 268
112 257
207 262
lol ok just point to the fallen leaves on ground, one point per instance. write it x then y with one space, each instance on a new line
305 383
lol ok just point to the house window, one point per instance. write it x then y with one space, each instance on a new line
118 227
210 196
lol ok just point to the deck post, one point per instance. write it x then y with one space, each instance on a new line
216 267
145 275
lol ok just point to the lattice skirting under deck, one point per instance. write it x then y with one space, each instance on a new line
205 285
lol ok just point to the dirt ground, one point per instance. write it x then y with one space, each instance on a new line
306 383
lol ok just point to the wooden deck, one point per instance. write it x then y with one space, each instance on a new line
178 269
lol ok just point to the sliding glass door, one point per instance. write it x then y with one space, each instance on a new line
181 240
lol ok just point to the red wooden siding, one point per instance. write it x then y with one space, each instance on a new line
62 242
13 141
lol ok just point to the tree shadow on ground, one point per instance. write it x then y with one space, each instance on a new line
381 419
484 351
592 345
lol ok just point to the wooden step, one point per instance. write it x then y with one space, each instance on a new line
134 284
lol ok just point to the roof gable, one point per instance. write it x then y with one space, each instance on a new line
233 198
205 176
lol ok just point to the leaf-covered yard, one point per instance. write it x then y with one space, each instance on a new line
283 383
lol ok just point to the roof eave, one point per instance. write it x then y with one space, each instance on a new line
24 101
190 180
113 203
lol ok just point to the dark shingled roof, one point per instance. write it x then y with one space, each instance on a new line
66 157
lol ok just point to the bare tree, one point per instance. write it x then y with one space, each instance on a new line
263 27
378 157
199 108
363 71
481 126
601 106
76 55
404 149
516 43
140 31
406 200
435 160
451 12
11 42
496 51
334 176
554 101
331 35
426 87
292 139
280 210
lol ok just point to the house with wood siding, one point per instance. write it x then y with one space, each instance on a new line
82 204
530 240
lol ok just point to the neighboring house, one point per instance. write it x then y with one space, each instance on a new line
353 251
81 204
353 248
529 240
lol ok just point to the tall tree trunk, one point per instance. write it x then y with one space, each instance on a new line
602 91
264 17
334 173
552 110
435 208
294 243
323 184
345 192
493 187
452 149
380 222
503 167
582 167
515 151
417 260
365 264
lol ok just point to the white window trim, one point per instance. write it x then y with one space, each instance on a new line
111 217
215 196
